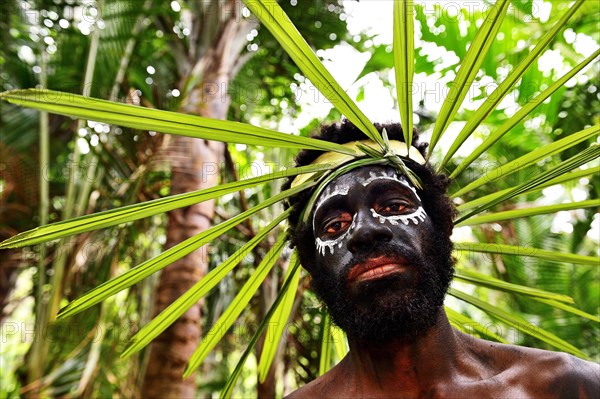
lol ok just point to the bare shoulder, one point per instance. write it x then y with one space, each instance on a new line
330 385
318 388
309 390
542 373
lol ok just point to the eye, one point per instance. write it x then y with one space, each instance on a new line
337 225
392 208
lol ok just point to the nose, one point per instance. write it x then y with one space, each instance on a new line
368 232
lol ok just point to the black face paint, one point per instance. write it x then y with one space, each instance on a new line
382 268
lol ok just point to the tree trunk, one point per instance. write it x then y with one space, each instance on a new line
195 165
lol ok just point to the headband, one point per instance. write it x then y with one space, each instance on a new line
332 158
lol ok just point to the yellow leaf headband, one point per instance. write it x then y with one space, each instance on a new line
398 148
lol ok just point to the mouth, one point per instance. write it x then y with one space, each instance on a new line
376 268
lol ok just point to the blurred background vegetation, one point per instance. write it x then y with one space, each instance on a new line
211 58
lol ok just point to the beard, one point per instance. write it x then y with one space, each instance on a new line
401 305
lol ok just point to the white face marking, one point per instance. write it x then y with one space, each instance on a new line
415 217
323 245
329 192
388 175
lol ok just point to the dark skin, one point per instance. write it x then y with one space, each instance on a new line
351 219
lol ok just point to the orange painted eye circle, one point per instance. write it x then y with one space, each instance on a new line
392 209
338 224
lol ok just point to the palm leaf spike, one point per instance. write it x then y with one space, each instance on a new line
325 358
280 317
500 92
142 118
587 155
515 250
272 16
531 158
167 257
461 321
404 47
236 307
339 341
285 288
527 211
571 176
520 115
480 279
181 305
468 69
133 212
517 322
568 308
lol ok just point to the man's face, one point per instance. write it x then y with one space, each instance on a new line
381 266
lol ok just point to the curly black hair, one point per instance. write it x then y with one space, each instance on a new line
436 203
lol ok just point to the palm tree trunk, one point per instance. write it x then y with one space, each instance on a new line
195 165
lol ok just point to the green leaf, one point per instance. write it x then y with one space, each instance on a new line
404 61
280 318
137 211
218 330
285 288
325 360
516 118
272 16
568 165
570 309
468 69
169 256
493 196
89 108
496 97
468 325
518 323
339 341
528 211
503 249
531 158
181 305
483 280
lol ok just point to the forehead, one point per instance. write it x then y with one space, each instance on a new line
362 177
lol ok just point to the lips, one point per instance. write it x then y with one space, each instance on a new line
375 268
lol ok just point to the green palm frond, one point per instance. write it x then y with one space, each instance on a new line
492 101
566 177
517 322
236 307
280 318
285 288
175 310
470 212
469 69
133 212
528 211
95 109
180 250
274 18
404 61
517 117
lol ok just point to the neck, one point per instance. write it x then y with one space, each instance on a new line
409 364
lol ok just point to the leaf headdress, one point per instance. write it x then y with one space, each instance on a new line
339 159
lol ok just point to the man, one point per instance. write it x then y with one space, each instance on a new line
379 253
